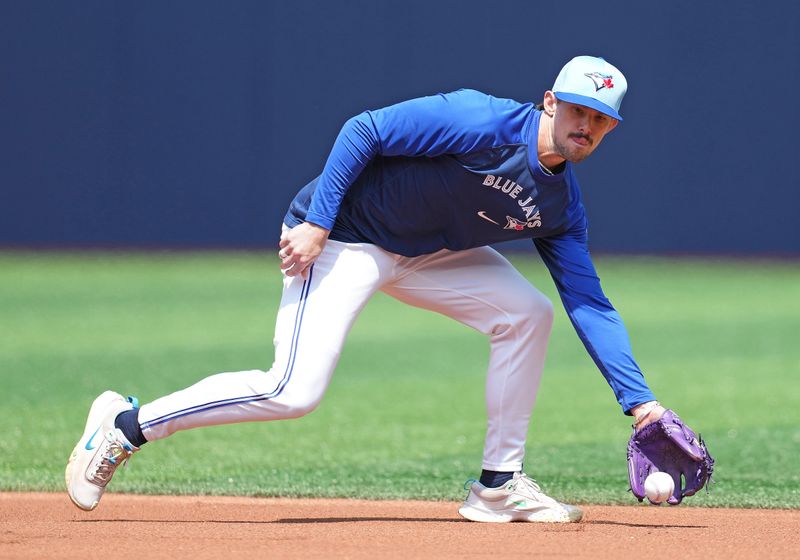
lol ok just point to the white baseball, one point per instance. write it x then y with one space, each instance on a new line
658 486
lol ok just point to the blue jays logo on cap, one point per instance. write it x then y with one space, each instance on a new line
592 82
600 80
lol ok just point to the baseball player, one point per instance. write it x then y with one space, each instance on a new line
410 199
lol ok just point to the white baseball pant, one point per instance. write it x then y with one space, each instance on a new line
477 287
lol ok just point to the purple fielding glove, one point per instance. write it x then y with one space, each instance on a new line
670 446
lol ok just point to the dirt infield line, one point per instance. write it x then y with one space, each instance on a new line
49 526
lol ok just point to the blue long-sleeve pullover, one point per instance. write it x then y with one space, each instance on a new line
460 170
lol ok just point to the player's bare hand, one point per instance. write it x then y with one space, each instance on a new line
300 247
646 413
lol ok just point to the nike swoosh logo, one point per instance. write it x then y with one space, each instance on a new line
483 215
89 445
522 503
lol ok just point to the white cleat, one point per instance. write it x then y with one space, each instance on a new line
519 499
101 449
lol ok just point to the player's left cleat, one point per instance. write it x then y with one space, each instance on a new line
519 499
101 449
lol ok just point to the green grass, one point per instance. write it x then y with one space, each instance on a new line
404 416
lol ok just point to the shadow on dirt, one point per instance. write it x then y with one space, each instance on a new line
314 520
310 520
642 525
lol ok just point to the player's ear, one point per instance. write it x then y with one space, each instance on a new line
613 125
550 103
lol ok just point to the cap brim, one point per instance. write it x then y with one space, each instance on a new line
590 102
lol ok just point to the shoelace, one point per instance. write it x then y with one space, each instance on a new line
118 454
526 486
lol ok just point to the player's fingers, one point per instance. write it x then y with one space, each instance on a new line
283 242
295 265
300 267
287 263
296 270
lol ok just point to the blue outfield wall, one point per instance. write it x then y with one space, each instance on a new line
191 124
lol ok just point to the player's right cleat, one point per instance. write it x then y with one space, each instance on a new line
101 449
519 499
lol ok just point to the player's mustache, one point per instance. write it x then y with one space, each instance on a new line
581 135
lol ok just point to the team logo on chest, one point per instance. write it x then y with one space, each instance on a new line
519 225
532 215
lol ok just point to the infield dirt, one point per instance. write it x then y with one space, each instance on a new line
49 526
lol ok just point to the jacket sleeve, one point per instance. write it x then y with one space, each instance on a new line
453 123
597 323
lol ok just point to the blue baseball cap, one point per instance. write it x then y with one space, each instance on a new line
592 82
